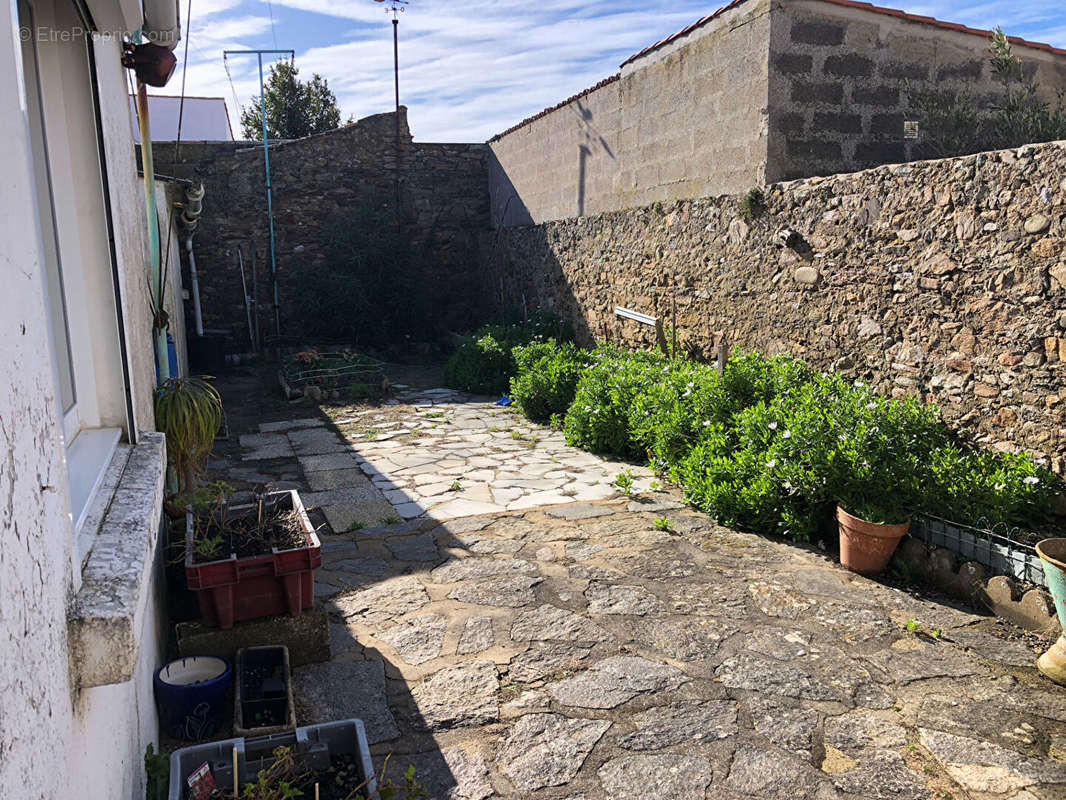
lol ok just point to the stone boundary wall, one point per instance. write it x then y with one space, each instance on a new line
944 279
443 199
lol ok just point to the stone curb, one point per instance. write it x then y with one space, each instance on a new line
1029 608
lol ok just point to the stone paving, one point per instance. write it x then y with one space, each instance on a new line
608 649
453 456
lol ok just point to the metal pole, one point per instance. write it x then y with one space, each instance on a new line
270 199
266 166
396 82
396 68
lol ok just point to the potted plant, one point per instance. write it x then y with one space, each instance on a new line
263 702
877 473
189 412
334 755
252 560
1052 553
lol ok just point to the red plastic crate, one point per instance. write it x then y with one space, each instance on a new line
235 589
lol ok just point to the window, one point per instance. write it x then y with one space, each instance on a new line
77 273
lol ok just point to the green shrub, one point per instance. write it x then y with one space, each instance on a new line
600 418
547 376
987 489
772 446
822 442
752 204
482 365
484 362
675 413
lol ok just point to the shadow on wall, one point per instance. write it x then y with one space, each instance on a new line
507 208
592 139
506 205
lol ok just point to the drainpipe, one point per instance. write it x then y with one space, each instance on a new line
190 216
155 278
161 27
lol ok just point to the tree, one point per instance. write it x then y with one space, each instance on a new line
294 108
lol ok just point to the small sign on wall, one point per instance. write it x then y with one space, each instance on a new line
910 129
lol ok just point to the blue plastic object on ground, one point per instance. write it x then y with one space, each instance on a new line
504 401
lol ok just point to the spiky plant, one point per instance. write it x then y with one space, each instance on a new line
189 412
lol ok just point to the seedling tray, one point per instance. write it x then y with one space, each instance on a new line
313 746
264 691
233 589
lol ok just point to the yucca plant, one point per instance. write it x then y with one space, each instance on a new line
189 412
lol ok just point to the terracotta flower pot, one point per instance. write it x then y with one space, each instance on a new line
866 547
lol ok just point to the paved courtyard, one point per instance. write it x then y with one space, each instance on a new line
535 633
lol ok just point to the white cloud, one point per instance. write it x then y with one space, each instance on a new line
469 70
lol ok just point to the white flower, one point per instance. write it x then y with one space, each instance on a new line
1032 479
771 463
787 434
871 406
706 422
773 426
859 384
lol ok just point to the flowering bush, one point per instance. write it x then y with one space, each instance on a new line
988 489
770 445
600 417
484 362
692 399
547 378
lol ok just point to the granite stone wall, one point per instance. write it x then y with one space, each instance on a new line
443 200
943 279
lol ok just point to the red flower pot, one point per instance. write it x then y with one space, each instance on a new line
233 589
866 547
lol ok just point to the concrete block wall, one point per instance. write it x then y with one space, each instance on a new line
759 92
839 78
682 121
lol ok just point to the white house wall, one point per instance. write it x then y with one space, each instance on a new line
56 740
35 564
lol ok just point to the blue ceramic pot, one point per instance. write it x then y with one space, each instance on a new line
190 694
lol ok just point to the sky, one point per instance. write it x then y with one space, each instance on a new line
471 69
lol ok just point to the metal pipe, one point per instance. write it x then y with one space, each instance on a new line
266 164
197 315
190 217
162 25
255 295
155 278
247 300
270 200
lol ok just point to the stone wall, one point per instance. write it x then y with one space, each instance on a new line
684 121
838 83
443 200
945 279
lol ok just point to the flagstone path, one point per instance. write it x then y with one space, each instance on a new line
594 646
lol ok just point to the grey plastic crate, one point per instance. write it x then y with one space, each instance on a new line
312 743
